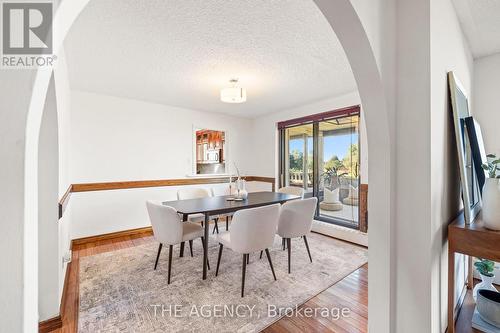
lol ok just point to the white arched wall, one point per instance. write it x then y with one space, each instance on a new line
347 25
48 194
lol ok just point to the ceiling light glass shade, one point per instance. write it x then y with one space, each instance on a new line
233 95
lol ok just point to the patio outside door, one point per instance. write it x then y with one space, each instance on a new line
321 154
299 152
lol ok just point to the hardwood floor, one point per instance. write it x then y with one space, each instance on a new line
351 292
464 320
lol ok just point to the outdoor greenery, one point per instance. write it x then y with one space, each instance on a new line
491 166
351 161
485 267
296 160
333 169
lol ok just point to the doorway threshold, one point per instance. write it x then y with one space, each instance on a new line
343 233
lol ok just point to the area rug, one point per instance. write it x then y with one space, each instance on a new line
120 291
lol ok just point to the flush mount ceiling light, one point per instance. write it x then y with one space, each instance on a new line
233 94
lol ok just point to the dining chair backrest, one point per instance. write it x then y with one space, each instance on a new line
253 229
223 190
192 193
293 190
296 217
167 226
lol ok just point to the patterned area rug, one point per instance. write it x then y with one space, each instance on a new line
120 291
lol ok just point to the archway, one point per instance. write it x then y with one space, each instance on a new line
348 27
48 172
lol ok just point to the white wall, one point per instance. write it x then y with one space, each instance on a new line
116 139
54 148
16 85
48 174
112 137
449 52
63 99
266 136
486 101
430 44
412 224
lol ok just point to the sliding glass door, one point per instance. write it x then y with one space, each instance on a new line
299 152
339 170
321 154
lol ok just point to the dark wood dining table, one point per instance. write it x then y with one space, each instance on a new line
212 206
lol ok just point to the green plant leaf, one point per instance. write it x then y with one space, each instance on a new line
491 155
485 266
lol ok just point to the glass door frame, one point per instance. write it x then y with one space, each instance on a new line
315 120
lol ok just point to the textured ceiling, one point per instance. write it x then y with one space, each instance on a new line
480 21
182 52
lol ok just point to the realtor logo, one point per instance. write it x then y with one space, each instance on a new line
27 30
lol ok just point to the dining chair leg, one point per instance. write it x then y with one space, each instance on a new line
283 244
248 258
181 254
191 247
216 226
218 259
270 263
289 246
203 244
260 255
307 247
227 223
158 255
170 250
243 271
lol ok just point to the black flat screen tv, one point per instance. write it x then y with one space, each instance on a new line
477 149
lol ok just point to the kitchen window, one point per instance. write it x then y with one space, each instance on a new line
210 151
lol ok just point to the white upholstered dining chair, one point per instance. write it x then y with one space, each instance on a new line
252 230
197 193
293 190
295 220
222 191
168 229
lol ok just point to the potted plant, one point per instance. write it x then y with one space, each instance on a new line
491 193
332 174
485 269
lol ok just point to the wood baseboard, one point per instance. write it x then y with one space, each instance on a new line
50 325
64 296
139 232
91 240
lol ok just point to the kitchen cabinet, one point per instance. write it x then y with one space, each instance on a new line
210 146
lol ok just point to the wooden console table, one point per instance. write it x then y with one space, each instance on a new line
473 240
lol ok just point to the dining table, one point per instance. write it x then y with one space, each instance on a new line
213 206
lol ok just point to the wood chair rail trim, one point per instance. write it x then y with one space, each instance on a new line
63 203
106 186
50 325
